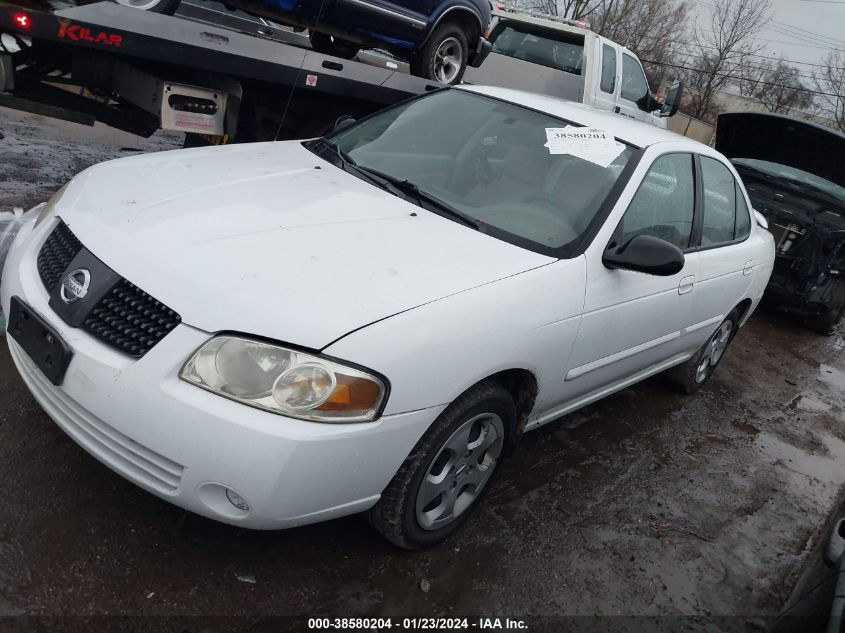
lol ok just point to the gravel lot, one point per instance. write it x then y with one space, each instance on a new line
648 503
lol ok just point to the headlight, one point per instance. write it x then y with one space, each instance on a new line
285 381
48 209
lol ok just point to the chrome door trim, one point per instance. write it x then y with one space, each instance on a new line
577 372
388 13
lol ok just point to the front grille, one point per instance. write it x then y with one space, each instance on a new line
126 317
130 320
56 254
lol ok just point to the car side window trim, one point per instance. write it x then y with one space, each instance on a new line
698 221
698 217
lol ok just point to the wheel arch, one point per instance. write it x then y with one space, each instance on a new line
523 387
464 15
743 310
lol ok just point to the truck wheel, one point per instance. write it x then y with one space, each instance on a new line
448 471
156 6
330 45
443 58
693 374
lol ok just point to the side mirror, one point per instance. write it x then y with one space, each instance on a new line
673 99
344 121
646 254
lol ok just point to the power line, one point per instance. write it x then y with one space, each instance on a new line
681 43
729 76
793 31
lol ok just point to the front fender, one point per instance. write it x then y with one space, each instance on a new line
435 352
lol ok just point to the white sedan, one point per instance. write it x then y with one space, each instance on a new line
276 334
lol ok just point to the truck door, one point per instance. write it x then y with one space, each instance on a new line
607 91
634 96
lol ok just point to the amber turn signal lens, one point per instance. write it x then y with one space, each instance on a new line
352 394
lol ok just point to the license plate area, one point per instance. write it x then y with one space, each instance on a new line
39 340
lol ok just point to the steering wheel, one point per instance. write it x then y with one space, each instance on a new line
482 169
475 170
562 212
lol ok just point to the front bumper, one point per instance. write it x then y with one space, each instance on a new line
188 446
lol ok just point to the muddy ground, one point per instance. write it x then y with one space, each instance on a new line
648 503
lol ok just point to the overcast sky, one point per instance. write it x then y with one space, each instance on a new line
825 21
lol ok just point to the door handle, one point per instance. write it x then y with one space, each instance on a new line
748 268
686 286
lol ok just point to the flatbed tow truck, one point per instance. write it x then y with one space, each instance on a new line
140 71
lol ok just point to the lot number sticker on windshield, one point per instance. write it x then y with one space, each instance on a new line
588 143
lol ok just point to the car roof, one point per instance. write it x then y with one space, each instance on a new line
625 129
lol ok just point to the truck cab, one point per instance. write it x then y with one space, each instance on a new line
565 59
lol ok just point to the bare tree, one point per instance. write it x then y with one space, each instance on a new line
575 9
721 44
650 28
776 84
830 84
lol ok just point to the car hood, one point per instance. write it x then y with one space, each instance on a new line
268 239
784 140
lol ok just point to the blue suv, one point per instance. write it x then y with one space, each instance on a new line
438 37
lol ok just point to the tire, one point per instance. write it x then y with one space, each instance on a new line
329 45
154 6
484 414
694 374
437 59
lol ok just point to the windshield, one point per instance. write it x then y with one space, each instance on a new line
555 49
791 173
489 160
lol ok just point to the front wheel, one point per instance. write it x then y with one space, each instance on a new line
693 374
155 6
448 471
443 58
330 45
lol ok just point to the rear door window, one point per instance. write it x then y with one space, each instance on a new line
743 216
726 215
608 69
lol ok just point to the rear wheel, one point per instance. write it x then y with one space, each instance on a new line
330 45
156 6
449 470
443 58
693 374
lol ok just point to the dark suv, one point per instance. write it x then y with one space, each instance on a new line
438 37
793 171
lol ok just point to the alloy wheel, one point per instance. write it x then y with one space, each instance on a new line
448 60
460 471
713 351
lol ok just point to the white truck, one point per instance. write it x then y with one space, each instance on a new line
563 58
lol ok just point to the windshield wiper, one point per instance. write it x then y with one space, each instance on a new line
347 163
409 188
345 158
